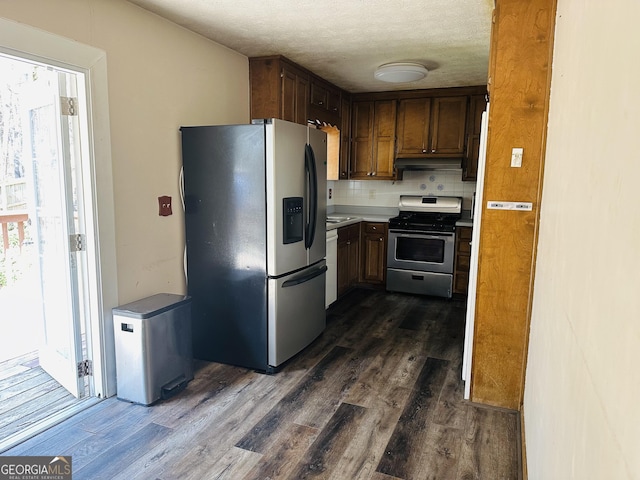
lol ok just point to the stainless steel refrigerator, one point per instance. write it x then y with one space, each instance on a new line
255 208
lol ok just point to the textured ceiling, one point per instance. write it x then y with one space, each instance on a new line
344 41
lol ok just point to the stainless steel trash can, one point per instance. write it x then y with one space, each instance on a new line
153 347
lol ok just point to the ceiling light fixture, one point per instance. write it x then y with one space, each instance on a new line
401 72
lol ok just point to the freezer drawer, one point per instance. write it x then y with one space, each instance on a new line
422 283
296 312
153 347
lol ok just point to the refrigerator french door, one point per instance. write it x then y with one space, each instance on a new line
255 206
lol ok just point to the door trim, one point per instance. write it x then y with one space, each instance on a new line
27 42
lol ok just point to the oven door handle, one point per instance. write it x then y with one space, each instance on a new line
421 234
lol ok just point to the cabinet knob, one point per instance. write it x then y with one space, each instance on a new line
433 150
320 102
348 242
381 239
424 150
373 174
373 227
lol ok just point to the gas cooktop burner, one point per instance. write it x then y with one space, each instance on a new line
424 221
438 214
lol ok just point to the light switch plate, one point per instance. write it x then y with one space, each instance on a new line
498 205
516 157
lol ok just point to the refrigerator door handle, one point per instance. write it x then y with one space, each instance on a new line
305 278
310 167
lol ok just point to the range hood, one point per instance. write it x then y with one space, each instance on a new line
426 164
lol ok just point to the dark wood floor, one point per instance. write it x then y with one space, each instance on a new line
28 395
377 396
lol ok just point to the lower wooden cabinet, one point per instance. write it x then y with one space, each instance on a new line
462 262
348 257
374 252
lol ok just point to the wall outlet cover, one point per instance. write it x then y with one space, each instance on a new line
164 205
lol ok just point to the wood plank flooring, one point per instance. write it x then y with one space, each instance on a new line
28 395
378 396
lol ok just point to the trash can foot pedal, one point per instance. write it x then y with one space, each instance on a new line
173 387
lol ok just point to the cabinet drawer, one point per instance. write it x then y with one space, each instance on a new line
464 247
463 240
350 232
462 263
464 233
461 282
371 227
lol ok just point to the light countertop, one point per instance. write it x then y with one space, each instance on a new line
355 214
359 214
466 220
350 219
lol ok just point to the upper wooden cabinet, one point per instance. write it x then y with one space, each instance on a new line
345 136
373 129
279 89
414 119
377 127
432 126
361 139
477 105
448 124
295 95
325 102
282 89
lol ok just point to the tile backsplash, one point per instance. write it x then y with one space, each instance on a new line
383 193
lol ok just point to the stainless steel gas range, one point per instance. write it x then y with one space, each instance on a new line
421 246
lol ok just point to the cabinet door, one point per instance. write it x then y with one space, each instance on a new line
361 139
384 138
374 253
319 94
302 99
477 105
325 96
343 267
289 95
295 95
354 261
463 257
345 135
413 126
448 122
334 101
266 79
348 257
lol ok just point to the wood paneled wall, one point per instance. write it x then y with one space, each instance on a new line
519 82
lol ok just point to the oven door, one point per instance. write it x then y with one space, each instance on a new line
421 251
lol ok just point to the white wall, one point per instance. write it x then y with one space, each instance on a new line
582 419
160 77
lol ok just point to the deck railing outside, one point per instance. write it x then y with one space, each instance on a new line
13 194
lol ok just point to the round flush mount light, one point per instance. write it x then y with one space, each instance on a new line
401 72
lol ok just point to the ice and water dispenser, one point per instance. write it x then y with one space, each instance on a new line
153 347
293 225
